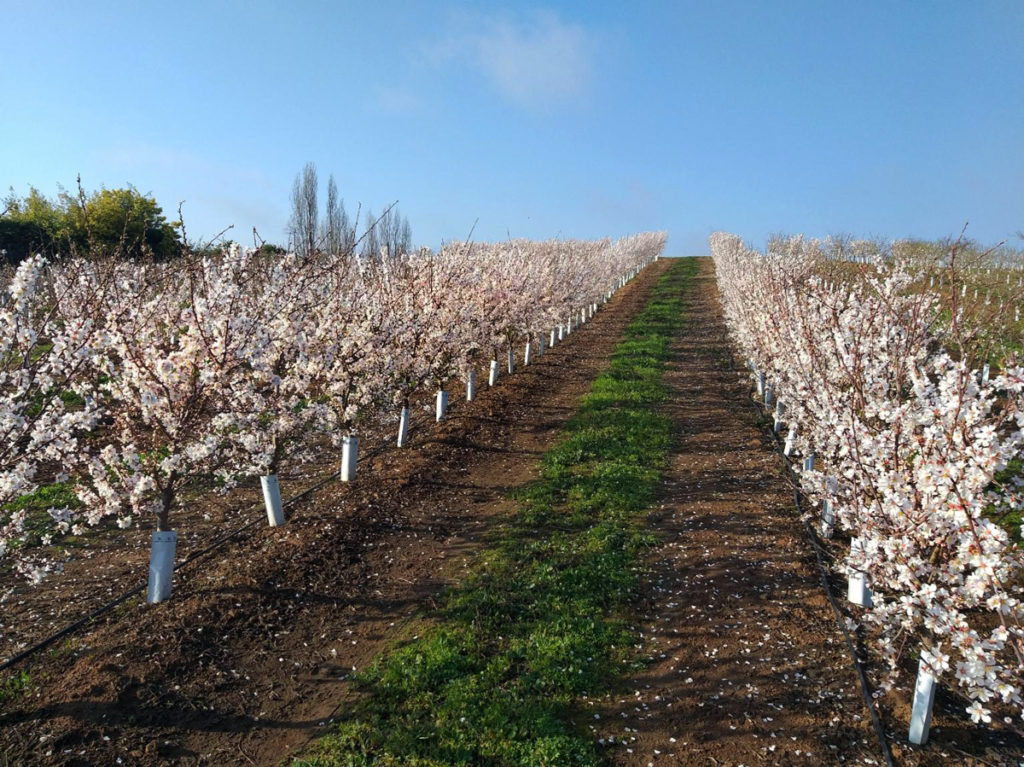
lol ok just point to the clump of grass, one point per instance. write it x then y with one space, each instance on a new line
36 505
14 687
543 621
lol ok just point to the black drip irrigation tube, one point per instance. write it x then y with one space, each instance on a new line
820 554
218 544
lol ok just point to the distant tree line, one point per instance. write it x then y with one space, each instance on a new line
128 223
336 232
122 221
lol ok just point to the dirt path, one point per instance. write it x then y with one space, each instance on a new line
250 658
749 666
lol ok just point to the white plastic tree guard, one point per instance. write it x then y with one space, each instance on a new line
828 516
511 362
857 591
761 384
780 409
561 331
828 519
809 462
492 378
441 409
768 395
568 326
403 427
526 354
924 701
540 344
161 565
984 374
272 500
790 439
554 338
349 456
471 386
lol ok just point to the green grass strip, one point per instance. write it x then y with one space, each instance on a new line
542 621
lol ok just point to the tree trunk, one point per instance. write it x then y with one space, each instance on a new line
166 501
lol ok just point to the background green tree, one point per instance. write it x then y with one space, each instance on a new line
105 222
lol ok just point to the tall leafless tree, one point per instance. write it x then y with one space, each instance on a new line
302 228
371 240
336 233
395 233
332 226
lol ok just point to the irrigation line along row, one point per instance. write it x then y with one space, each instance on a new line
820 553
414 419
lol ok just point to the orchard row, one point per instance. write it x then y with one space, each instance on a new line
907 450
128 380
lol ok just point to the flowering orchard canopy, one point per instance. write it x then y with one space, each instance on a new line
912 446
126 380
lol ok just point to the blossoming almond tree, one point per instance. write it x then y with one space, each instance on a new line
278 410
349 358
417 290
175 357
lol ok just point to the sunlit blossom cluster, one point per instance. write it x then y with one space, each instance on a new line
133 378
911 449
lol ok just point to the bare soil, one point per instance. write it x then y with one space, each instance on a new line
748 665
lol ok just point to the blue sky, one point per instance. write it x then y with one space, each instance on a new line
573 119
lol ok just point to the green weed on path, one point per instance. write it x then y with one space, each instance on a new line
542 619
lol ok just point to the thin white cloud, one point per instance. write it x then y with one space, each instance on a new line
216 193
135 155
142 158
396 100
533 60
